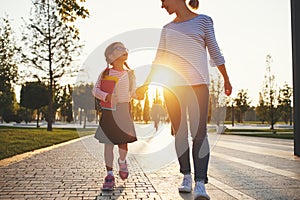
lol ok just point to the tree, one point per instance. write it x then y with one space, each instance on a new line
34 95
285 103
137 111
65 103
217 104
146 110
230 110
242 104
261 109
25 114
8 68
156 111
53 45
132 108
269 94
84 100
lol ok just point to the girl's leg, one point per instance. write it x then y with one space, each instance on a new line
109 180
109 156
123 149
123 169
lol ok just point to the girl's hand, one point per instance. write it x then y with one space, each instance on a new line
111 98
140 92
108 98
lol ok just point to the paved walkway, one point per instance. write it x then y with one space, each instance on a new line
240 168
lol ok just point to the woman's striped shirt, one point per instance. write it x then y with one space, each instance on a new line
182 51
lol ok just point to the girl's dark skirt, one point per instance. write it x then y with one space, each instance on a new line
116 126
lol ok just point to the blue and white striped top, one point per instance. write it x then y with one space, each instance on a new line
182 52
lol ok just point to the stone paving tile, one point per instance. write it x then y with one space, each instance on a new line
167 179
76 171
72 171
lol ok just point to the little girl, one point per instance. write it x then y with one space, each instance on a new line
116 125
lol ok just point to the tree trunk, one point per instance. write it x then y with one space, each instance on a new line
85 116
38 117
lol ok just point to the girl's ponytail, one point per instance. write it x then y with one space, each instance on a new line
194 4
126 65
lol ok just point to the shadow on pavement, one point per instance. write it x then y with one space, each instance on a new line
115 194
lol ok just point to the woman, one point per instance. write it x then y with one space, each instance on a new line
182 56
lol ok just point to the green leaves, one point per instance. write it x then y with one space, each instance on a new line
69 10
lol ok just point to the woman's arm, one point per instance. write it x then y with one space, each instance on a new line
212 45
140 91
216 55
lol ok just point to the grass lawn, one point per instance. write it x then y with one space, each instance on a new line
15 140
277 133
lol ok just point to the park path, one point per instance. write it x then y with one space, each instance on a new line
240 168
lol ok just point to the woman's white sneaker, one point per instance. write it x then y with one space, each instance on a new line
186 185
200 192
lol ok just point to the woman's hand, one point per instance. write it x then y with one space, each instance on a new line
227 84
227 87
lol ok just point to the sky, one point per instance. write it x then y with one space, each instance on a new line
246 31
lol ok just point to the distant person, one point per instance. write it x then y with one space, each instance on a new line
116 125
183 51
156 112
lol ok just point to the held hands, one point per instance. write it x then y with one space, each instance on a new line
140 92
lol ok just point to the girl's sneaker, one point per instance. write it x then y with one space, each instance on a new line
109 183
123 170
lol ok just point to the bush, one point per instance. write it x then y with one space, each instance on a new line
9 117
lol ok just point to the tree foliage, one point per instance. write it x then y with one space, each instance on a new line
217 101
136 110
268 96
146 110
242 104
285 103
69 10
83 99
65 103
261 109
8 67
34 95
52 47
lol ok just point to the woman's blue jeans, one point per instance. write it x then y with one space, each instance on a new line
188 106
